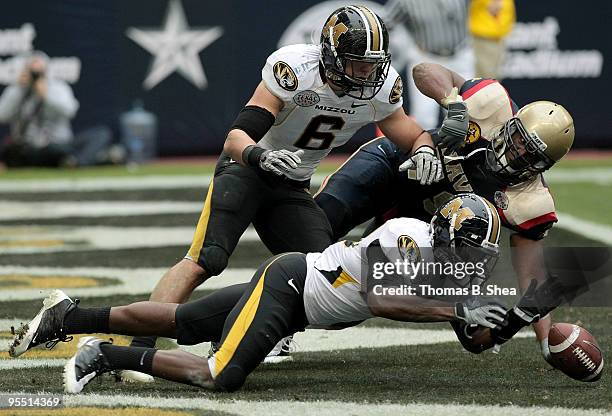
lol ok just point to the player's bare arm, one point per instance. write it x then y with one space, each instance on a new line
436 81
238 139
408 135
404 131
442 84
417 309
528 263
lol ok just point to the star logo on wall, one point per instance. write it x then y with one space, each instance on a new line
175 47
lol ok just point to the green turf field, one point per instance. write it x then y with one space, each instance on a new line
64 237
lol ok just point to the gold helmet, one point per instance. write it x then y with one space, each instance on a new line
539 135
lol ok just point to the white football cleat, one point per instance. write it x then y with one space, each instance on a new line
46 327
131 376
88 363
281 351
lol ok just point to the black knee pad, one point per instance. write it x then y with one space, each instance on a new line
230 379
338 214
214 260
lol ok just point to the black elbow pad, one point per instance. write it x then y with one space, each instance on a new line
254 121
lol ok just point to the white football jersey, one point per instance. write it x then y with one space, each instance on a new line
335 289
314 118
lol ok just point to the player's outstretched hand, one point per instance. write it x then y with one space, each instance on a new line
280 161
456 123
489 316
423 166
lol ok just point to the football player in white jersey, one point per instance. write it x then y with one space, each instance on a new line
290 292
311 99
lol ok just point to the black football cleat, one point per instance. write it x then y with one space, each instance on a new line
88 363
46 327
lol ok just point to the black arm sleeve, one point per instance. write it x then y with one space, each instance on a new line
254 121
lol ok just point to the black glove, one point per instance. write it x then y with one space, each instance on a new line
454 127
537 301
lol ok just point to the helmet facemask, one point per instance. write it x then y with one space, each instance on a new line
363 77
515 155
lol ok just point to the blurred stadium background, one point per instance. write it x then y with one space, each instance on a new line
106 234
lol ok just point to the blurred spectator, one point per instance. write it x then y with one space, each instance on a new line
490 22
39 109
439 31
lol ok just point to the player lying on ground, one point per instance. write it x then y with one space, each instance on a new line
502 157
288 293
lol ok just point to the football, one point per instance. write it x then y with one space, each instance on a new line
575 352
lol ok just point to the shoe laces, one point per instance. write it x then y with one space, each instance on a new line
61 337
289 345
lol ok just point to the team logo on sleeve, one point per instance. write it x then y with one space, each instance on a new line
408 248
306 98
396 91
473 132
501 200
285 77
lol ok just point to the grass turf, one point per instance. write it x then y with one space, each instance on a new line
441 373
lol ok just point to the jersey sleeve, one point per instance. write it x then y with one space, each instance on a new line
284 74
389 98
404 239
529 208
489 106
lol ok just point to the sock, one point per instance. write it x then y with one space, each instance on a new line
87 320
129 358
146 342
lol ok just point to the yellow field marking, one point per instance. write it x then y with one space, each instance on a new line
24 281
62 349
12 231
32 243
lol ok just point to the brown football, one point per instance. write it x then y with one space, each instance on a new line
575 352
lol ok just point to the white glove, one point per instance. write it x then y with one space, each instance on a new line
280 161
453 97
423 166
488 316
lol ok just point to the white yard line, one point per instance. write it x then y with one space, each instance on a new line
133 281
105 183
313 340
14 364
319 408
15 210
44 239
601 176
592 230
113 183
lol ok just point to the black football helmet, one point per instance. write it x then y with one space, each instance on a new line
467 229
351 37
